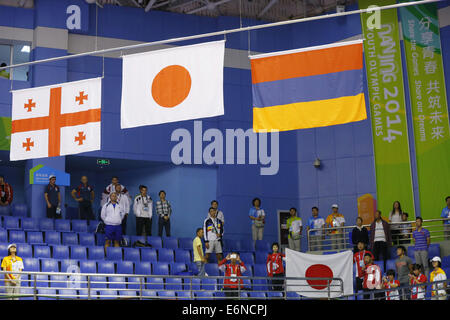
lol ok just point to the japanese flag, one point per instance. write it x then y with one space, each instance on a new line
56 120
172 85
310 266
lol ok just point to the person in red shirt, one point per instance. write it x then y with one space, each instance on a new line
372 277
275 267
358 259
417 277
6 192
390 283
233 271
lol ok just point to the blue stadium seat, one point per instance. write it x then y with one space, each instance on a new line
4 248
183 295
410 252
11 223
149 293
131 254
5 211
105 267
183 256
185 243
170 243
292 295
25 292
96 253
47 294
98 282
46 224
29 224
212 269
70 265
155 242
49 265
120 282
107 294
220 295
177 267
329 252
87 266
125 267
86 239
160 268
257 295
62 225
165 255
24 250
167 294
79 225
128 294
114 253
193 267
247 246
42 252
231 245
135 282
3 236
154 283
19 210
195 283
174 284
60 252
92 226
100 239
78 252
248 271
69 238
58 281
262 245
67 294
275 295
261 257
390 264
41 280
80 282
35 237
446 262
209 284
143 267
380 263
204 295
248 258
260 270
142 239
52 238
434 250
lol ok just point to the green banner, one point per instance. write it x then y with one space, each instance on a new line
428 105
5 133
387 104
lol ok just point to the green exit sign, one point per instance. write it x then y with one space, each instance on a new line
103 162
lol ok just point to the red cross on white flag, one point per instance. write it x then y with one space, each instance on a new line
56 120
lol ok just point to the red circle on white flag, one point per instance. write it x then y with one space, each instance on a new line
318 271
171 86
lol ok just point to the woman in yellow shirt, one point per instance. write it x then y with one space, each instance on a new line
439 292
12 263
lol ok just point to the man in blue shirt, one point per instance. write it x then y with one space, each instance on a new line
53 199
421 238
315 237
84 195
446 214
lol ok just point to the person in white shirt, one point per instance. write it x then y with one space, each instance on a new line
112 215
112 188
124 202
219 213
213 233
143 210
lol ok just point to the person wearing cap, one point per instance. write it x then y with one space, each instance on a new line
335 219
12 263
439 292
52 197
6 192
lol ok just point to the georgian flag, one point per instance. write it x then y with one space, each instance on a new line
56 120
310 266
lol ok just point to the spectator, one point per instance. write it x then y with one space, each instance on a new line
390 283
439 292
84 195
359 234
275 268
112 188
380 238
403 264
233 272
335 219
445 214
199 258
112 215
12 263
421 238
257 215
143 210
417 277
395 217
372 277
164 211
295 227
53 199
4 73
405 230
124 202
6 192
213 232
358 259
316 237
219 214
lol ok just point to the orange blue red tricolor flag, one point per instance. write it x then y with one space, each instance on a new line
308 88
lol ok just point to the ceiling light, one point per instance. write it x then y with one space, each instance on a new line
25 49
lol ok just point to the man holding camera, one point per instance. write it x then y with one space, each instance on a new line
233 272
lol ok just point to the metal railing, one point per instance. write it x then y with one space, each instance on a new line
323 240
67 285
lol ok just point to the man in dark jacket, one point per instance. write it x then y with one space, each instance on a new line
359 234
380 238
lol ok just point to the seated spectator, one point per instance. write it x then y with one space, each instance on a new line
112 215
6 192
335 219
358 259
403 264
257 215
199 258
275 268
421 238
233 270
380 238
417 277
316 237
445 214
359 234
372 277
405 230
219 215
12 263
395 217
439 289
213 232
143 210
295 227
390 283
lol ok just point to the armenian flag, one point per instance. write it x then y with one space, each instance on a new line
308 88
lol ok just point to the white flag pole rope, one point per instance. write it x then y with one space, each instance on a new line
217 33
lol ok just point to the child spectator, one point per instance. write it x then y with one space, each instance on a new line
275 267
390 283
417 277
358 259
439 292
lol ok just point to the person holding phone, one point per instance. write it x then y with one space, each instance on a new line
233 268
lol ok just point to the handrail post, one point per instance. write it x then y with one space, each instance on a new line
89 287
190 287
140 288
328 289
34 287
